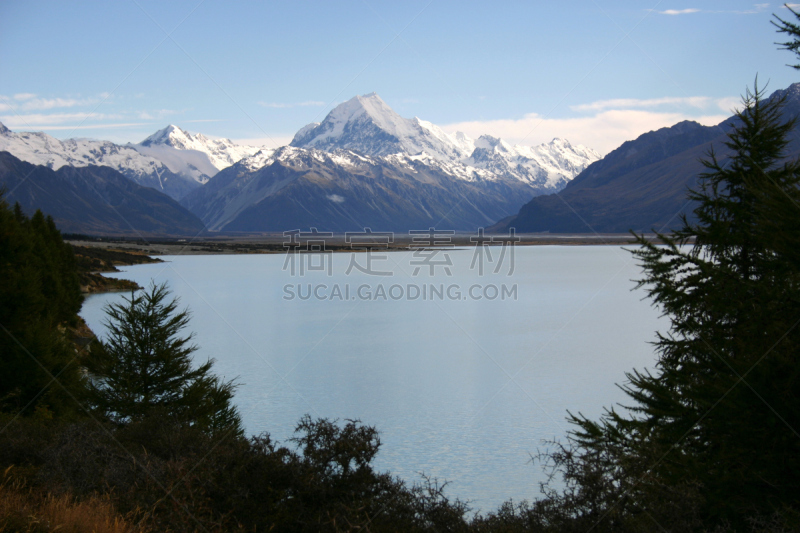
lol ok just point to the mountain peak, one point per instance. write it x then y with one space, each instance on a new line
791 93
3 129
367 125
170 135
193 154
370 105
369 97
487 142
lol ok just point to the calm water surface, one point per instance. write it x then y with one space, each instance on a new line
464 390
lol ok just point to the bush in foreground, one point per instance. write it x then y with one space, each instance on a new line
178 478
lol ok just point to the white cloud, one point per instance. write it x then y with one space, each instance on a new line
729 104
609 122
298 104
679 11
27 111
156 115
699 102
40 119
43 104
757 8
603 131
273 141
29 102
335 198
97 126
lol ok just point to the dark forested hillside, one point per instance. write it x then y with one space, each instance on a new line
640 186
39 296
94 200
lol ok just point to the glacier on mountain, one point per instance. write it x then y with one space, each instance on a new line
220 153
171 160
379 166
39 148
366 125
383 171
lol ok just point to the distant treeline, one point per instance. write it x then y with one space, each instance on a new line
41 297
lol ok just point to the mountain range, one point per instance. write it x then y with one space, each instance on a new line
94 200
643 184
193 155
367 126
363 165
171 160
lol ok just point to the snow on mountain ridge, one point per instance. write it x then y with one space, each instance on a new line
458 142
495 144
222 153
39 148
365 124
344 185
302 132
549 165
171 135
362 131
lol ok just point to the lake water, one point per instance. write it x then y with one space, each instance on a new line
463 381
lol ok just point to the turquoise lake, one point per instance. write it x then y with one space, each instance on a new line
465 374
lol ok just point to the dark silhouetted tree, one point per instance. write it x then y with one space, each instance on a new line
39 296
722 410
144 368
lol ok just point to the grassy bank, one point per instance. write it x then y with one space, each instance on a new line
91 260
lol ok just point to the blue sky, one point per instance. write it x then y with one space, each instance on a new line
597 72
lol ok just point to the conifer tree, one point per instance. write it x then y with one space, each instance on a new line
39 295
722 409
144 368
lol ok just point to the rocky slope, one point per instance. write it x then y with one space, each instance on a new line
93 200
364 165
640 186
171 160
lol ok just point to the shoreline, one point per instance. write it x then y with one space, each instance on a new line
91 262
274 244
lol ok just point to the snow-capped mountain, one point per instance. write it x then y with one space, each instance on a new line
195 155
342 190
366 166
551 165
39 148
366 125
94 200
171 160
362 166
